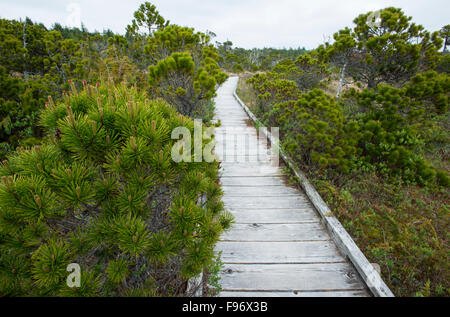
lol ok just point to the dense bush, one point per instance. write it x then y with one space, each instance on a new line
432 90
307 71
104 192
393 122
387 140
237 59
190 88
270 88
36 62
311 124
378 155
20 103
176 39
315 133
393 199
391 52
186 70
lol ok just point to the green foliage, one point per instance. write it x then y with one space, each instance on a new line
379 157
392 122
36 62
176 39
117 271
391 52
214 287
308 72
270 88
104 192
20 103
287 81
432 89
402 228
443 65
49 264
315 132
388 53
188 77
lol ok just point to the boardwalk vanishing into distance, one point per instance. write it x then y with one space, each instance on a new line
278 245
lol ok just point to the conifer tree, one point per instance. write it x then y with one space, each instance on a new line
185 70
393 51
104 192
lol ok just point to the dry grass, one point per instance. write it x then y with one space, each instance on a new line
331 86
245 92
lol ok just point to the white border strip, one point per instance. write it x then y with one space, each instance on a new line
343 240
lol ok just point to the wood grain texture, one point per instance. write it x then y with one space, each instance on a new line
280 252
253 181
263 216
277 232
290 277
252 202
296 293
245 191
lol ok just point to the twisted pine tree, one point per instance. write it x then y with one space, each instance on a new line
184 85
104 193
185 71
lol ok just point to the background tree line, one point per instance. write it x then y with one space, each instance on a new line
36 62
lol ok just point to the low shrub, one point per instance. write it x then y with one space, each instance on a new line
103 192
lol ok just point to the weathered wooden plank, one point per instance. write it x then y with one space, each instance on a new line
231 112
232 118
346 293
243 148
257 191
289 277
261 216
244 158
243 151
276 232
279 252
240 170
289 202
253 181
236 141
241 130
229 121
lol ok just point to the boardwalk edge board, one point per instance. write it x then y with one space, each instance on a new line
343 240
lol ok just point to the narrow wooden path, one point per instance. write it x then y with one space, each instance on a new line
278 245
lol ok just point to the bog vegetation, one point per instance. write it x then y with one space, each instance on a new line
366 116
86 123
85 143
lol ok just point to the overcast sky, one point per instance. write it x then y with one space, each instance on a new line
247 23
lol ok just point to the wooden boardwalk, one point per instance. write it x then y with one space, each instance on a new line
278 245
